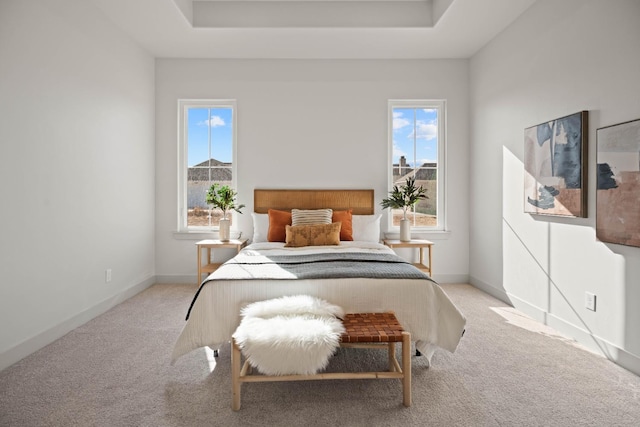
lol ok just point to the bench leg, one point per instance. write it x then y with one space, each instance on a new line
392 355
236 357
406 368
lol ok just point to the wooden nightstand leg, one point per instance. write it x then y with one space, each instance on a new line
199 265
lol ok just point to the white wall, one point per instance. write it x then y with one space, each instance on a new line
310 124
76 170
558 58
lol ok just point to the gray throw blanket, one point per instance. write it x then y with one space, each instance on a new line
314 266
325 266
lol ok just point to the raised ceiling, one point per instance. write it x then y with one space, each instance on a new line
313 29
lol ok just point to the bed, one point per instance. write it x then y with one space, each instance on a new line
359 275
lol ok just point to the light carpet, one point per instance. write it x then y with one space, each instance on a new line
507 371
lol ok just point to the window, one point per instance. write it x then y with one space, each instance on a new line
417 148
206 155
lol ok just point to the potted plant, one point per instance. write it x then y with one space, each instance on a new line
223 198
404 198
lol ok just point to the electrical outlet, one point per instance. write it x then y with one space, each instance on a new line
590 301
107 275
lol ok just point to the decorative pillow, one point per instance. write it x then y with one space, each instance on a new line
278 220
346 230
260 227
366 228
312 235
310 216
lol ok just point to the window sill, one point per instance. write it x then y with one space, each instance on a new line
421 234
202 234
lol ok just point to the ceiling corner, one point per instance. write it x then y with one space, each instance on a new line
186 8
438 8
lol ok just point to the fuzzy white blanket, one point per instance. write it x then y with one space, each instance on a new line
289 335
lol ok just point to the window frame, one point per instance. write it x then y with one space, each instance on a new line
441 208
183 107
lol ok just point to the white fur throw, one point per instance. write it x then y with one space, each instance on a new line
289 335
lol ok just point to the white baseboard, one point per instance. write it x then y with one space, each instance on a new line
596 344
493 291
46 337
587 339
529 309
451 278
177 279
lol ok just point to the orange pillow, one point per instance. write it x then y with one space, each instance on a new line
345 217
312 235
278 220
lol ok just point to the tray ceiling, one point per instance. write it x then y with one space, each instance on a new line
331 29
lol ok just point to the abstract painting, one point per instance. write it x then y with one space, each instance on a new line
618 188
555 155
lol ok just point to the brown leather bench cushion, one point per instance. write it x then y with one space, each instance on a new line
371 327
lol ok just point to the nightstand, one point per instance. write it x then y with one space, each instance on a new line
414 243
210 267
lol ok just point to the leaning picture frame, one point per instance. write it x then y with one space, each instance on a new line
618 183
555 164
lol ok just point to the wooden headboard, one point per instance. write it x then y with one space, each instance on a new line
360 201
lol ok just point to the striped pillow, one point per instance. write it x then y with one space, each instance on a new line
311 216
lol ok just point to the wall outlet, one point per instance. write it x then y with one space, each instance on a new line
107 275
590 301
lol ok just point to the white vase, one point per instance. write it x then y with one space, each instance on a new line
405 230
225 230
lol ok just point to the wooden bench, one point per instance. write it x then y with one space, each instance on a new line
363 330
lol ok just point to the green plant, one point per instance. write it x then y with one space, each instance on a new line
223 198
405 196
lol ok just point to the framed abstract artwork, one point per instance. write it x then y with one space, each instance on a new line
555 156
618 187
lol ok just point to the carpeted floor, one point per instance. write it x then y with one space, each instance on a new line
507 371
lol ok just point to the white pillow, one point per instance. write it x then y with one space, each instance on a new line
260 227
366 228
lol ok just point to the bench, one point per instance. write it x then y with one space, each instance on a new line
363 330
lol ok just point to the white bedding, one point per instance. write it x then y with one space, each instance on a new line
420 305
